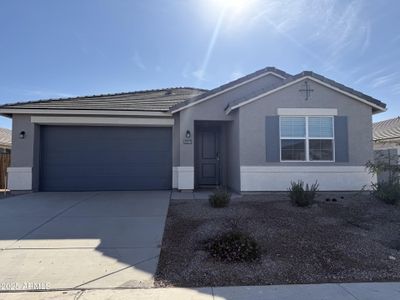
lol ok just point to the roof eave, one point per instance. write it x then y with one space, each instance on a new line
378 111
383 140
8 112
6 115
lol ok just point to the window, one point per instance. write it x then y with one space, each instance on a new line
307 138
320 135
293 138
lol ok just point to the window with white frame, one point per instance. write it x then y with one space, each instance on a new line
306 138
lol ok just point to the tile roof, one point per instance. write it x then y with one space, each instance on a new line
150 100
230 84
316 76
5 137
387 130
171 99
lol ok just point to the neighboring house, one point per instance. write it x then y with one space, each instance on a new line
257 133
5 140
386 136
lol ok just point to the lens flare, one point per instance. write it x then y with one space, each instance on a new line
235 5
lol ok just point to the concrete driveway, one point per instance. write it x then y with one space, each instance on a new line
81 240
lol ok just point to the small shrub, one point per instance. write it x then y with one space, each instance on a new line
301 196
220 198
233 246
388 192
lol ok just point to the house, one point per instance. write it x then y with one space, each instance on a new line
386 134
386 137
257 133
5 140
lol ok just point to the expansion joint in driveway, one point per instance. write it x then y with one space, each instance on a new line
51 219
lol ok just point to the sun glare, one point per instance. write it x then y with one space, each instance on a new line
235 12
236 4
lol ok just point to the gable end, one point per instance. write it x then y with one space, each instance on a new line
230 86
375 104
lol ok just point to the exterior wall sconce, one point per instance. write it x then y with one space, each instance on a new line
22 135
188 137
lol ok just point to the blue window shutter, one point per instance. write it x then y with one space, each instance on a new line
272 138
341 139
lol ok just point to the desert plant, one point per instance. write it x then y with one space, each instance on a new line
233 246
220 198
388 192
302 196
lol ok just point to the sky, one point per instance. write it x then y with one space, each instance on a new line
58 48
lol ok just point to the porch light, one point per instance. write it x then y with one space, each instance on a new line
22 135
188 134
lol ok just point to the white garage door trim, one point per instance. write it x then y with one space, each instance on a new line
102 121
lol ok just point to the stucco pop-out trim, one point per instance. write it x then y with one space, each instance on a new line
47 120
19 179
183 178
330 178
307 111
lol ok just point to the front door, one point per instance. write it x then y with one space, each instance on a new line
208 156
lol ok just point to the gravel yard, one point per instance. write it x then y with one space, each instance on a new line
353 239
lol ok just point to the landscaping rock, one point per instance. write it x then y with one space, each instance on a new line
346 241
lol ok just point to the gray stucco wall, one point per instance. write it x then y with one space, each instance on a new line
175 141
23 149
233 168
36 158
252 123
214 110
25 152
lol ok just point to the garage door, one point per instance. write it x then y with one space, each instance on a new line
76 158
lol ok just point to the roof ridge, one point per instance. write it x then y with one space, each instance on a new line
103 95
233 83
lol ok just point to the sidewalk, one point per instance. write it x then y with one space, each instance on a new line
345 291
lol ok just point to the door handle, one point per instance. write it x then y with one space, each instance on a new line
217 156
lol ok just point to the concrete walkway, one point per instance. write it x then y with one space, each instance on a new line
81 240
346 291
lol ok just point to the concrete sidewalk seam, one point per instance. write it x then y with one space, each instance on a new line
212 293
79 295
115 272
350 293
